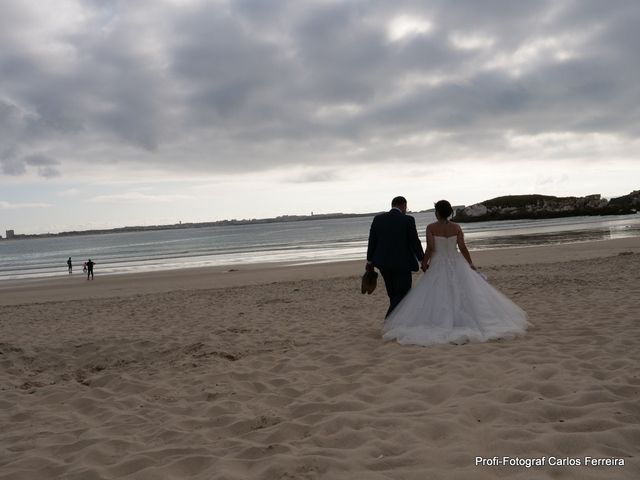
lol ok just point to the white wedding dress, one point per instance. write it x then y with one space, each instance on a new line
451 303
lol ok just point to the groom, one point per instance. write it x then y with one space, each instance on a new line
395 249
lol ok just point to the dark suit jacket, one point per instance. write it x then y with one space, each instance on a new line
394 242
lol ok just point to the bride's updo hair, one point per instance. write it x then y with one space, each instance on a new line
444 209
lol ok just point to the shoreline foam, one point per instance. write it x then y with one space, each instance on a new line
69 287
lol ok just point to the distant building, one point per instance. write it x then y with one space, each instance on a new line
10 234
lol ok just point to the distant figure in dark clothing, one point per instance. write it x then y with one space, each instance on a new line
90 265
69 265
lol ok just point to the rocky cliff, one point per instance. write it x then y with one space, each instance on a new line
516 207
627 201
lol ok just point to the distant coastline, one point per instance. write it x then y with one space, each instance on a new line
512 207
176 226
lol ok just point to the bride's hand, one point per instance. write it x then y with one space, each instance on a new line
425 266
473 267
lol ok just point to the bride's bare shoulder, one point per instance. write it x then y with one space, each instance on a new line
457 227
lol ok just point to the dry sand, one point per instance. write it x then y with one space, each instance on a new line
280 373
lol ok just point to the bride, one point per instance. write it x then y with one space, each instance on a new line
452 302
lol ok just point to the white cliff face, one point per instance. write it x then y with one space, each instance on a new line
592 201
477 210
557 207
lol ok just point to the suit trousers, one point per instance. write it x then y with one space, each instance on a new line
398 284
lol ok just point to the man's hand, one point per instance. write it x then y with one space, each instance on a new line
369 267
425 266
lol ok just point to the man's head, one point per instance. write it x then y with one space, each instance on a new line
400 203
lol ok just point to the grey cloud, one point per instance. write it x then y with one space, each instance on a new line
319 176
40 160
48 172
248 84
45 165
12 164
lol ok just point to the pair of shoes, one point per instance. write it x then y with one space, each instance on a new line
369 282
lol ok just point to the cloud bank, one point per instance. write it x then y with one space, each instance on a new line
245 85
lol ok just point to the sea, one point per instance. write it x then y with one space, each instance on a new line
294 243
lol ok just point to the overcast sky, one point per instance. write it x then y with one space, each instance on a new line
143 112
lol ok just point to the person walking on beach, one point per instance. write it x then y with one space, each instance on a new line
395 249
90 265
69 264
452 302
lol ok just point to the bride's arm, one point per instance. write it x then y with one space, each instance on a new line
427 254
463 248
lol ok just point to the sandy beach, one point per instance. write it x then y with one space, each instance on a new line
279 372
